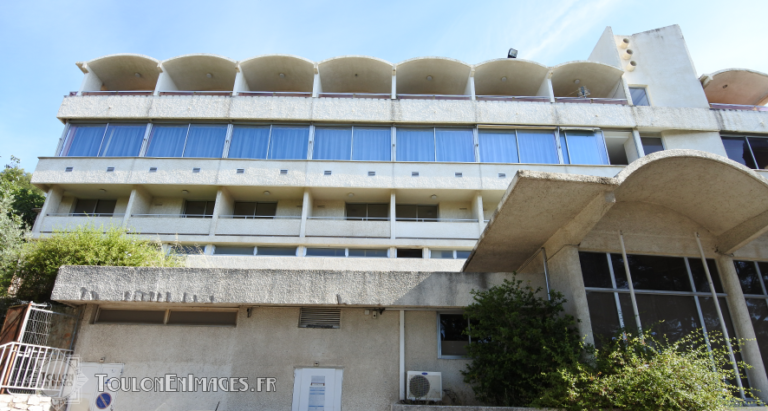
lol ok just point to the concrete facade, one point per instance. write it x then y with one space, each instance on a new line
463 217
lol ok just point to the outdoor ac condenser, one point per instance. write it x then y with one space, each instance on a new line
425 386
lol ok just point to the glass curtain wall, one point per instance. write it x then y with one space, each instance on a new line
104 140
352 143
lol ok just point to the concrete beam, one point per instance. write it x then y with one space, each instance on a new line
575 230
742 234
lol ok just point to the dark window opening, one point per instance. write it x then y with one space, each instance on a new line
356 211
255 210
97 208
416 212
652 144
409 253
199 209
639 96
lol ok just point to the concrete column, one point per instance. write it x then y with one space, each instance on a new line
91 82
306 209
742 323
471 85
392 252
638 143
625 87
394 84
51 205
392 215
477 209
138 203
241 84
317 87
565 277
164 82
225 205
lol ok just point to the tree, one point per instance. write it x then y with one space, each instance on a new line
517 340
35 274
11 233
16 182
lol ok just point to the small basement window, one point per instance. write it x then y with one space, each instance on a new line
130 316
326 252
276 251
409 253
181 249
169 317
320 318
232 250
202 318
452 343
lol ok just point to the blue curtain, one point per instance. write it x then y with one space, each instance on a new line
455 145
123 140
289 143
586 147
332 143
498 146
372 144
537 146
167 141
83 141
415 144
206 140
564 149
249 142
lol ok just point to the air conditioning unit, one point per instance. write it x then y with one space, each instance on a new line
425 386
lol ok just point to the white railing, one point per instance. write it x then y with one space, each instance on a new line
356 95
84 215
173 215
266 217
35 367
348 218
433 97
438 220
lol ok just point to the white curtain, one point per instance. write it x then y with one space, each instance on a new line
289 143
537 146
167 141
83 141
585 147
123 140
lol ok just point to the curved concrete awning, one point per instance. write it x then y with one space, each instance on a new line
448 76
538 209
124 72
355 74
736 86
509 77
191 72
601 79
262 73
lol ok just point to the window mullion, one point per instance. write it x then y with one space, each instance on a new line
186 139
615 294
751 152
517 143
698 305
269 142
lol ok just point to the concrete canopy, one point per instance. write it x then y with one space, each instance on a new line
262 73
523 77
118 72
355 74
601 79
190 72
736 86
448 76
552 210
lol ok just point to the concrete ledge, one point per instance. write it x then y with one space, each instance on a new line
88 284
403 407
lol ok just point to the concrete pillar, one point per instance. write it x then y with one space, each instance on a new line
392 215
471 85
241 84
164 82
625 88
225 205
317 87
477 210
566 278
51 205
638 143
91 82
306 209
138 203
394 84
742 323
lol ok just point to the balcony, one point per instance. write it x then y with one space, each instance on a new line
356 95
274 94
68 221
437 228
194 93
741 107
187 224
341 227
619 101
275 226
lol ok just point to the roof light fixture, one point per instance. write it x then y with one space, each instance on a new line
282 75
209 75
429 78
266 193
184 191
351 195
577 81
504 78
137 75
433 196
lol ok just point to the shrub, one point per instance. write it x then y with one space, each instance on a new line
517 340
34 275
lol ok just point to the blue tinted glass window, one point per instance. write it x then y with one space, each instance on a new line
652 144
83 140
537 146
123 140
585 147
498 146
738 150
289 143
639 96
372 144
332 143
249 142
415 144
167 141
455 145
206 140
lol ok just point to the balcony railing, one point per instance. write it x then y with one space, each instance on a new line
716 106
113 93
539 99
617 101
438 220
85 215
274 94
172 215
356 95
195 93
347 218
266 217
433 97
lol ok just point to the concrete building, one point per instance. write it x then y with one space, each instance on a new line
345 209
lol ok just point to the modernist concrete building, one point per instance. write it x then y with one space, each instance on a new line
345 209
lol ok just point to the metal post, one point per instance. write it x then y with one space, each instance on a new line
631 287
546 270
402 354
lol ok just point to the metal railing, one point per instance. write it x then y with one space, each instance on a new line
617 101
539 99
356 95
35 368
85 215
194 93
433 97
113 93
438 220
347 218
717 106
267 217
172 215
274 93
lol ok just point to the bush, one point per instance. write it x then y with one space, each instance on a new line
517 340
646 374
34 274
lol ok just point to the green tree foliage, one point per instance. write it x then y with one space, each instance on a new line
517 340
14 181
635 374
11 233
35 273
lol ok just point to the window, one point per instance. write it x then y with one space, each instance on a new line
455 145
167 140
123 140
320 318
498 146
652 144
346 252
326 252
332 143
169 317
199 209
639 96
177 317
367 253
435 144
187 140
416 212
537 146
130 316
95 208
415 144
83 140
410 253
452 342
378 212
232 250
355 143
583 147
249 142
449 254
180 249
749 151
288 143
752 276
255 210
276 251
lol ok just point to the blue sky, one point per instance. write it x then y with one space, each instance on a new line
40 41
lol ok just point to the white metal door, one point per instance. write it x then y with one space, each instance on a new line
317 389
90 397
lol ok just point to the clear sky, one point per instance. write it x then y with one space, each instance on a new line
40 41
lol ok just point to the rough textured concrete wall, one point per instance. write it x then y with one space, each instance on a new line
320 263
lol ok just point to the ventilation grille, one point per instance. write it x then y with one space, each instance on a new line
371 174
283 171
459 174
327 172
414 173
69 169
196 170
110 169
320 318
502 175
153 169
240 171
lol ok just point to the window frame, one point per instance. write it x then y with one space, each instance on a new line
439 341
746 138
108 307
647 94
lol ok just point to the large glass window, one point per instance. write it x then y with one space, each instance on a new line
83 140
249 142
639 96
372 144
752 276
288 143
199 209
408 212
123 140
749 151
452 340
94 208
167 140
537 146
332 143
254 210
357 211
415 144
205 140
498 146
455 145
583 147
